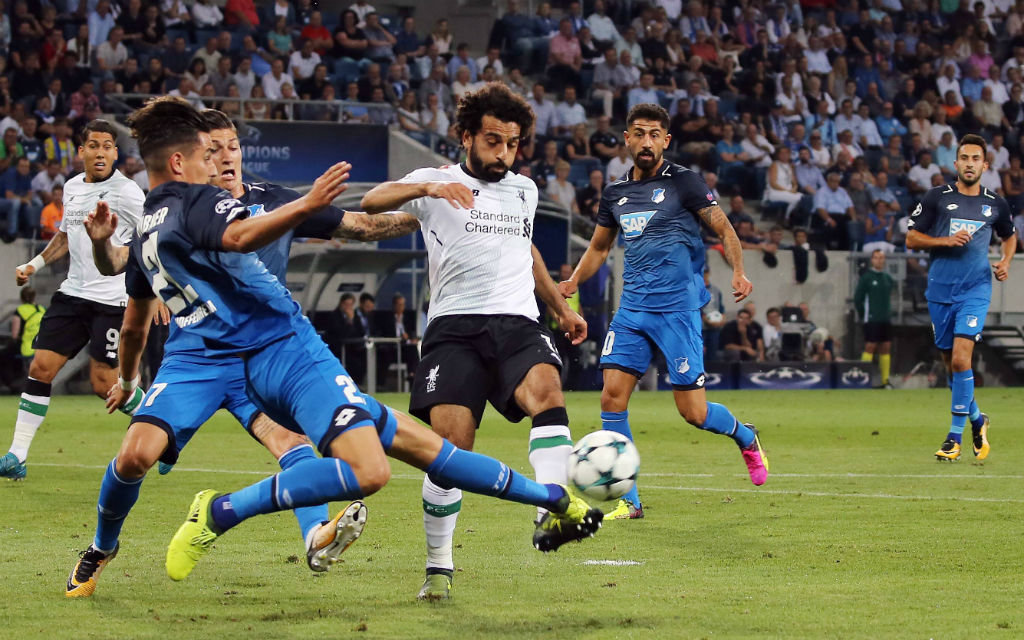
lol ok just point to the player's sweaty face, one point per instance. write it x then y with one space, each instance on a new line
970 163
646 141
492 150
198 167
99 155
227 159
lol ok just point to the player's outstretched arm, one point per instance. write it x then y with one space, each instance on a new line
250 234
574 326
595 255
368 228
716 219
55 249
101 225
392 195
138 316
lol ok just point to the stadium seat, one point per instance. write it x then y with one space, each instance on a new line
345 71
774 211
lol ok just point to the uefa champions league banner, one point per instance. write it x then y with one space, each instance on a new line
785 375
296 153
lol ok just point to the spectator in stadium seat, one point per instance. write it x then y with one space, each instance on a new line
85 104
52 213
740 341
919 178
272 81
349 40
565 58
380 112
888 124
187 91
279 40
361 8
561 190
20 204
732 160
318 34
601 26
462 59
568 113
1013 184
208 54
346 338
10 149
782 184
31 145
175 60
303 62
847 145
354 112
588 198
221 77
28 81
370 81
433 116
543 169
835 211
380 42
101 20
881 192
59 145
241 15
244 78
407 41
543 109
206 15
435 84
619 166
645 92
463 83
738 211
46 180
196 73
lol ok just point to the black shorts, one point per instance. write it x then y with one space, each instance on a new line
468 360
877 332
70 323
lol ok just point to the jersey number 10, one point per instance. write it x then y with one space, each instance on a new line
161 279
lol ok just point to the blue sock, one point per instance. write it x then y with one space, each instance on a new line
478 473
719 420
308 517
974 413
305 484
618 421
963 392
117 497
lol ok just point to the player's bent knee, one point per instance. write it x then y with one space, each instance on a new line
695 415
134 463
613 400
372 476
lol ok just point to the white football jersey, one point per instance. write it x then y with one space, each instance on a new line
124 198
480 259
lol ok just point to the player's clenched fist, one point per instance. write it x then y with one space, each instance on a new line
329 186
23 273
958 239
457 194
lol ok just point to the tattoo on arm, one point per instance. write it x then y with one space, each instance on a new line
715 218
367 228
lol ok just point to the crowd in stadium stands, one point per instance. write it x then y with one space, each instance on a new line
834 115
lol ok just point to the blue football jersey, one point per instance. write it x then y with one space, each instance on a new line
259 198
958 273
664 266
228 300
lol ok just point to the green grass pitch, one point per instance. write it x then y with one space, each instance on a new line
859 533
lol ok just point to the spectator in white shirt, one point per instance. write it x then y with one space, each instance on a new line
846 119
759 151
362 8
630 44
207 15
433 116
601 26
846 143
817 57
867 132
568 113
948 82
304 61
620 165
919 178
111 55
244 78
543 110
1001 155
272 81
492 59
1000 94
44 181
644 93
561 190
463 83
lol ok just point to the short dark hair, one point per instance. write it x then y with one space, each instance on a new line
346 296
497 100
772 310
973 138
216 119
164 124
648 111
28 295
99 126
363 297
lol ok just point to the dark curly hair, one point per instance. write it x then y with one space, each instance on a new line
648 111
973 138
497 100
165 125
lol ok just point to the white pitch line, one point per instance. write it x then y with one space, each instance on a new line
612 563
838 475
825 494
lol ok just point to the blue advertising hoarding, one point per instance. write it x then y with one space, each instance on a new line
295 153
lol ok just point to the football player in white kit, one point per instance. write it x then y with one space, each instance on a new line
88 307
483 342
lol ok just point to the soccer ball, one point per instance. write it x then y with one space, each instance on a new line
714 317
603 465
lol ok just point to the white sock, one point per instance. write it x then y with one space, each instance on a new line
550 447
31 411
440 512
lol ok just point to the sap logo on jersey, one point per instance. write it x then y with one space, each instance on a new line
970 226
633 224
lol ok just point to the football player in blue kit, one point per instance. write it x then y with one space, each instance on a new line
955 223
658 207
191 387
193 248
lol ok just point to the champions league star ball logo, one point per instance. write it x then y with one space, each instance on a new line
786 376
856 377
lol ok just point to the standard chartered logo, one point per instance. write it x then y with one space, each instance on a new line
498 224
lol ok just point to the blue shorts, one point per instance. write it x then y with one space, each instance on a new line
633 335
187 390
299 383
965 319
